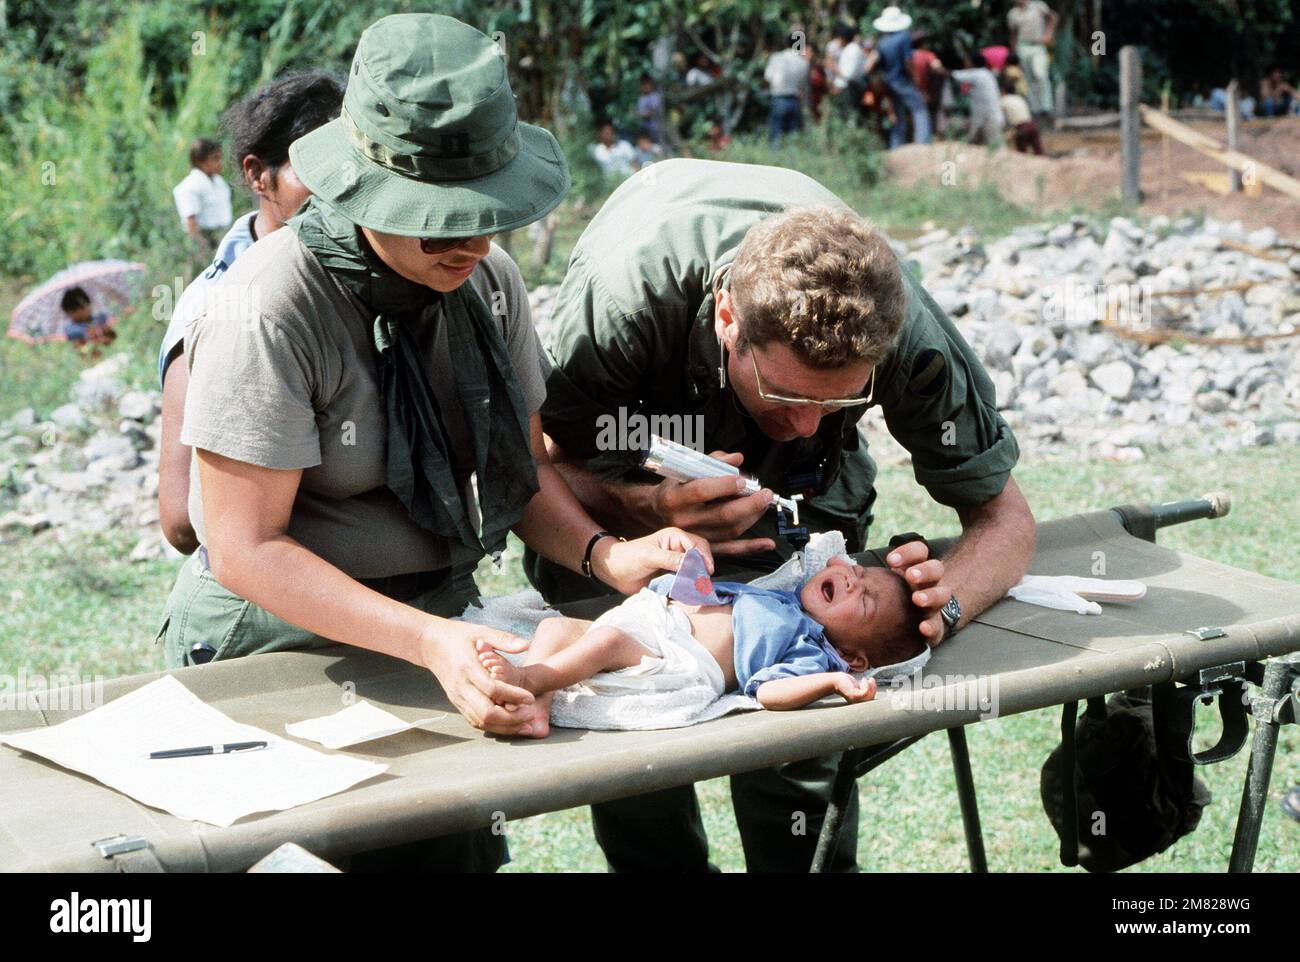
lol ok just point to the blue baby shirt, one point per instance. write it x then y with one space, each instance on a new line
774 637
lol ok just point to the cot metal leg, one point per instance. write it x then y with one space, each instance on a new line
829 839
1069 803
859 761
1274 707
970 815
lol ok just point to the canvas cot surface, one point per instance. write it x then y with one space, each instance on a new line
451 777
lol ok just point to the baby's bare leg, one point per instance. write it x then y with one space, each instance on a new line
565 654
554 635
602 648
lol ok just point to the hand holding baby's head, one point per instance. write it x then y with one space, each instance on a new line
868 613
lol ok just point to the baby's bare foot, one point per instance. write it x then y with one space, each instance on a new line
497 666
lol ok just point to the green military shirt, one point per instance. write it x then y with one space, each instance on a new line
634 331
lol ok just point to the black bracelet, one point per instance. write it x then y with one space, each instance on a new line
586 555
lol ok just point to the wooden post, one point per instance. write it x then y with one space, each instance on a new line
1164 147
1130 122
1233 113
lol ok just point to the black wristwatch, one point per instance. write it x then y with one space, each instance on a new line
951 614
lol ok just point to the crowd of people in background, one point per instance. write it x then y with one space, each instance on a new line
890 80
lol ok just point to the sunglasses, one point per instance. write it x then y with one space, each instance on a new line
440 245
827 405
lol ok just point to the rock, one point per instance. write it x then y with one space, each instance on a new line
140 439
68 416
74 482
21 445
26 523
1004 383
116 448
99 387
1266 295
1213 402
1114 378
22 420
932 237
1060 234
1001 344
138 406
1070 383
1287 432
1263 238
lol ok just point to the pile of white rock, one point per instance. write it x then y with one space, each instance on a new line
1204 364
91 464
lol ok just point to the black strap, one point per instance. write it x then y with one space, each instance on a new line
591 546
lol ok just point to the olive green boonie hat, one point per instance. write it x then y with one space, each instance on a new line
428 143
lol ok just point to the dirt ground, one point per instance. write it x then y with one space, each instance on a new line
1083 169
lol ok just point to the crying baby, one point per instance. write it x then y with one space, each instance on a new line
785 648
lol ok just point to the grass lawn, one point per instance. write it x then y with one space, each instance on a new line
78 607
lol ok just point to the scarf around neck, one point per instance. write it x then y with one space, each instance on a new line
422 461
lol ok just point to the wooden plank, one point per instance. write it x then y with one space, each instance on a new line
1262 172
1217 181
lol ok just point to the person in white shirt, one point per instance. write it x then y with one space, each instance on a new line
615 157
699 75
787 82
851 68
203 197
1032 24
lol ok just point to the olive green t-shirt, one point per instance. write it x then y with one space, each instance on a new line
283 375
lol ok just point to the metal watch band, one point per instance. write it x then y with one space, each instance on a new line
951 614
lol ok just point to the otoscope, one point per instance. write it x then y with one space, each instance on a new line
668 459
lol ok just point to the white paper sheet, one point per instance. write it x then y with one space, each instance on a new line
358 723
112 744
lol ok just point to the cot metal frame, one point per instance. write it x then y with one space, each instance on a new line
1276 704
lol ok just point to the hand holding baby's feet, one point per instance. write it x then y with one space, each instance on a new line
501 670
854 690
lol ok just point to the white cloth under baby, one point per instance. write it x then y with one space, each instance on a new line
677 682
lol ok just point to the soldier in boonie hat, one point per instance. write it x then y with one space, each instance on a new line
428 143
364 395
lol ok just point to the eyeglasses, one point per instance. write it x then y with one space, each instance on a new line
827 405
440 245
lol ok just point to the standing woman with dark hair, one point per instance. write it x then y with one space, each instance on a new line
260 129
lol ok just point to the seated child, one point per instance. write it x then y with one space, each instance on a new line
784 648
1024 132
84 326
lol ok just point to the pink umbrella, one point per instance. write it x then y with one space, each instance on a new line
112 286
